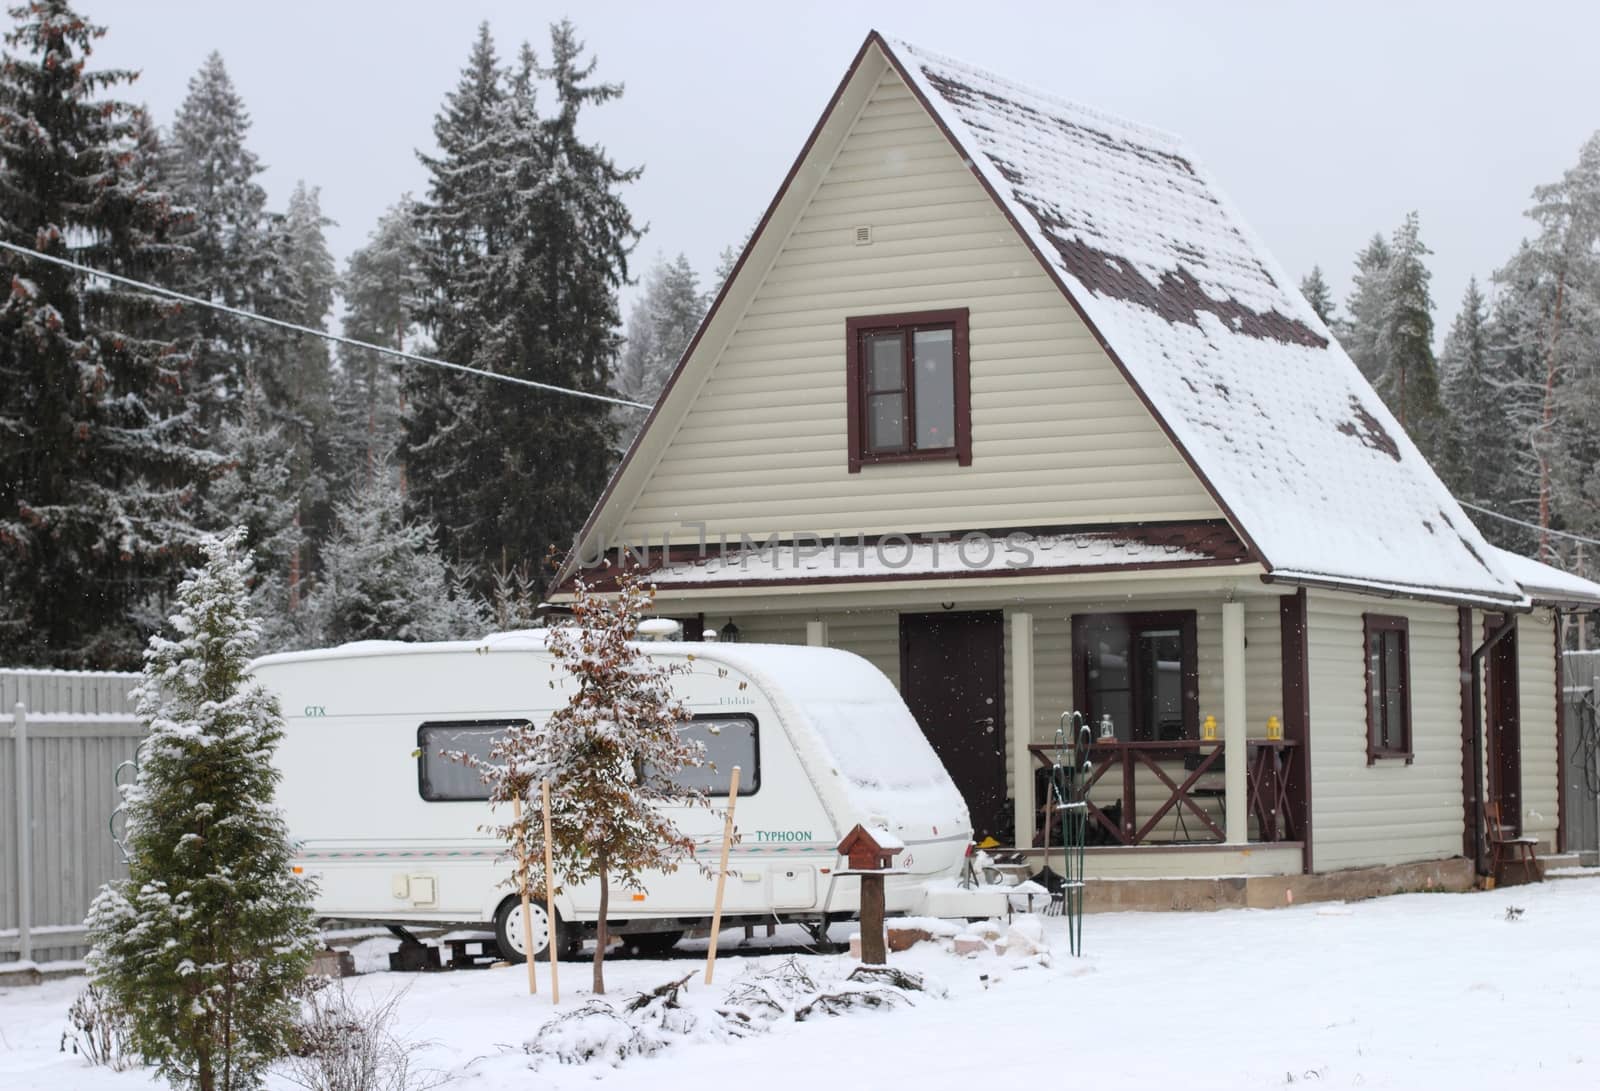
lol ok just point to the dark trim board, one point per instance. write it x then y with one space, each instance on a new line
1469 791
1294 638
1561 738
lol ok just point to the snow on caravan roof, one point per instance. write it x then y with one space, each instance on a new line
891 775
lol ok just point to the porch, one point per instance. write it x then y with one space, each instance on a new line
988 666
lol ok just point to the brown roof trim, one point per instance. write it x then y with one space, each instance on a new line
1446 596
716 304
969 155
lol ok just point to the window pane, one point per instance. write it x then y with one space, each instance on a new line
442 779
885 351
886 421
1393 694
1375 687
729 741
1110 681
934 364
1160 661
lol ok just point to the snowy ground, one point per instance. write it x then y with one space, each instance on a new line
1413 991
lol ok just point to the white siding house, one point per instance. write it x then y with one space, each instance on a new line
1004 396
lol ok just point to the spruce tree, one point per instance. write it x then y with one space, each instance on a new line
214 177
97 429
1408 379
520 471
460 224
204 943
382 289
1480 433
660 326
383 577
1317 293
1362 328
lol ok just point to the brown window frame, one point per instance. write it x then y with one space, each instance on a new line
856 329
1186 621
1379 748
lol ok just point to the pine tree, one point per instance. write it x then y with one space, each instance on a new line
1317 293
660 326
612 756
1409 379
97 429
383 577
1362 327
382 290
1552 309
202 946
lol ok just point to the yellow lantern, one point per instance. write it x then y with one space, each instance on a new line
1274 728
1208 730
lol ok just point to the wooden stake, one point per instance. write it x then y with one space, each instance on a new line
722 874
550 895
522 882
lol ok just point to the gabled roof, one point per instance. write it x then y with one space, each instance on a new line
1292 440
1314 473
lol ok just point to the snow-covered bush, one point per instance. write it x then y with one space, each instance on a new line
203 945
342 1045
98 1032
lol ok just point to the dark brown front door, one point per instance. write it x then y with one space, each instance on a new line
1504 728
952 677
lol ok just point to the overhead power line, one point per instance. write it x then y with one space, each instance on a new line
1531 526
409 357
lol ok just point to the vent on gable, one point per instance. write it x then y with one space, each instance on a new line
864 235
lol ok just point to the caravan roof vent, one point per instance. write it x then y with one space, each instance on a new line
658 628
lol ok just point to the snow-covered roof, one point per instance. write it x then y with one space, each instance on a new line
1544 583
1293 442
1018 554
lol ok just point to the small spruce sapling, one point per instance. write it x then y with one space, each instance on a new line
612 755
204 943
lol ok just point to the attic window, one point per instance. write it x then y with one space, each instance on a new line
908 388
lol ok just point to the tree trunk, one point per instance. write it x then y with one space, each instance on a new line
1547 418
600 927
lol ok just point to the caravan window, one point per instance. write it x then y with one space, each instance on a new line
440 779
729 741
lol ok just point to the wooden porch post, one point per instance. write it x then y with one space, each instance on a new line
1022 801
817 633
1234 731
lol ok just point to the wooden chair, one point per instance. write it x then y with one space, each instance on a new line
1505 848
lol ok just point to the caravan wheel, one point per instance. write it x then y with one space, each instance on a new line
508 930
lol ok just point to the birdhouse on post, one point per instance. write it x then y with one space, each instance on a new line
871 855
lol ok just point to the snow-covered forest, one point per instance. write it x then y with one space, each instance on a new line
384 500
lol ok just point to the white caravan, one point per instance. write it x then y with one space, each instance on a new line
391 831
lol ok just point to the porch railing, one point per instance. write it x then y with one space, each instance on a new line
1268 763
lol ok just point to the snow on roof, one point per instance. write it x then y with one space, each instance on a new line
1299 449
1545 583
900 557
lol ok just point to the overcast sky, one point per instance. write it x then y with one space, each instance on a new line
1325 123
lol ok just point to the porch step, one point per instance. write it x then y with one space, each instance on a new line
1567 865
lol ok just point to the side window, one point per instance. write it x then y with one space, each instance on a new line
441 779
1388 687
729 741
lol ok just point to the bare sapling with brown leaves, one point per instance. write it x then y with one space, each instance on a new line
612 755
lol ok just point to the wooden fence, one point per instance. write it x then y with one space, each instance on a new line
62 736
